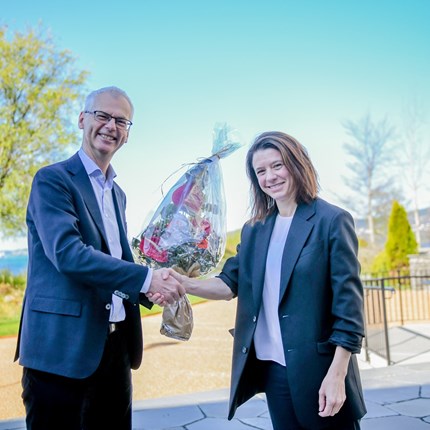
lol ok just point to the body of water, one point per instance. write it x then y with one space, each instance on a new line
17 264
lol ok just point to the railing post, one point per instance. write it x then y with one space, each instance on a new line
400 291
384 310
366 344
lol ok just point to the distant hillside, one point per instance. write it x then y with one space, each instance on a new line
361 226
233 237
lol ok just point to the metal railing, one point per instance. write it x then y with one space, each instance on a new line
390 302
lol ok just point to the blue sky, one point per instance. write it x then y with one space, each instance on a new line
302 67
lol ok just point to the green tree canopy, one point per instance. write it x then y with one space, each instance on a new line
401 240
39 89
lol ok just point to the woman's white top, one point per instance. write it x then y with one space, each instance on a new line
267 338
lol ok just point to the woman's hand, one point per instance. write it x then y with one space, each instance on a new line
159 298
209 288
332 394
180 278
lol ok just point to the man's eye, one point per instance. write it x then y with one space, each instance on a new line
121 122
103 117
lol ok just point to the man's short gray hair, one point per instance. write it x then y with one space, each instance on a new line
115 91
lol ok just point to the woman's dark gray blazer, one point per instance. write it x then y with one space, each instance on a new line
321 306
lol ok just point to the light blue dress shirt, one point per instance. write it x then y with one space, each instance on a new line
102 186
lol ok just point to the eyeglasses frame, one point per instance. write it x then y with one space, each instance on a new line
115 118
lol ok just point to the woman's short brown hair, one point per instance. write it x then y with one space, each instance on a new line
298 163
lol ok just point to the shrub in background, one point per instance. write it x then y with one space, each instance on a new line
400 242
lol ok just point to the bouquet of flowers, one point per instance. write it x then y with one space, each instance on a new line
188 230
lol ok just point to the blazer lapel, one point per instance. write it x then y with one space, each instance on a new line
262 244
82 181
120 216
299 232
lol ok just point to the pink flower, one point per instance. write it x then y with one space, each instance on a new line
195 199
152 250
190 195
205 226
179 194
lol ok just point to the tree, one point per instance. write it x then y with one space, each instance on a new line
39 86
414 157
370 157
401 240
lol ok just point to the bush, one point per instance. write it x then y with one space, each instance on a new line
11 293
380 263
367 252
401 240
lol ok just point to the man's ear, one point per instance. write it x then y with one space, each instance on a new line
81 121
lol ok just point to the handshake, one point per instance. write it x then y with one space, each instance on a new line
167 287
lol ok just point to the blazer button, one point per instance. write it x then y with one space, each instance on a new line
108 306
254 319
244 349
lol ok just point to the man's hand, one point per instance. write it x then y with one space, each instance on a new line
164 288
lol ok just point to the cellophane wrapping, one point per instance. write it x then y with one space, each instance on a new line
188 229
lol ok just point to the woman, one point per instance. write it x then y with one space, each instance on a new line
300 300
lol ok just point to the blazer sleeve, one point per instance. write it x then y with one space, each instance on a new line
230 271
347 304
58 217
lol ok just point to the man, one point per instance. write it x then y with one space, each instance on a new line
80 332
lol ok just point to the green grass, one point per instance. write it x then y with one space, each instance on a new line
9 327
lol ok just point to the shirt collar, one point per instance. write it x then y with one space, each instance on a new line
93 170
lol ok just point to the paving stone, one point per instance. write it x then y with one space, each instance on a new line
176 428
394 423
265 415
413 408
154 419
219 424
376 410
215 409
425 391
252 408
12 425
389 395
169 428
259 423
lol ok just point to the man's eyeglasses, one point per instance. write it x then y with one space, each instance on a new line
103 117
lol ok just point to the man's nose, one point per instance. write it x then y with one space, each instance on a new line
111 123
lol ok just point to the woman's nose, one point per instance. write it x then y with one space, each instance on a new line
270 174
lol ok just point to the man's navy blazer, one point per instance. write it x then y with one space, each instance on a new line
71 276
320 306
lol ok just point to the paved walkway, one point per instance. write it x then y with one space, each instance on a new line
397 397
